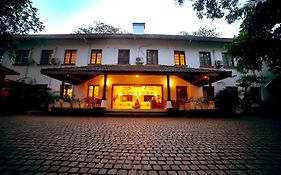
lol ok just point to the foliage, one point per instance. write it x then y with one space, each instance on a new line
245 82
215 9
99 27
17 17
259 38
227 100
202 31
45 97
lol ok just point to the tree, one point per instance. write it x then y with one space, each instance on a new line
259 38
17 17
202 31
99 27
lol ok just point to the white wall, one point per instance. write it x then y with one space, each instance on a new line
110 48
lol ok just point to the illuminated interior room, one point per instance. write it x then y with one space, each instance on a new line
137 97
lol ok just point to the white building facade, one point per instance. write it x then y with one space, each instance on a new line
126 71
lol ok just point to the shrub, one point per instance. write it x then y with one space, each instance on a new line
227 100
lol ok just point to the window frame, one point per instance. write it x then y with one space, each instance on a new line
209 61
20 57
94 58
179 53
71 57
119 58
226 58
93 94
50 54
150 57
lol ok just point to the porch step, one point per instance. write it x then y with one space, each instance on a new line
139 112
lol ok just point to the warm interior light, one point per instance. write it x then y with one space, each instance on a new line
137 76
126 97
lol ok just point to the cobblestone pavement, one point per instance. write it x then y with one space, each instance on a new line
144 146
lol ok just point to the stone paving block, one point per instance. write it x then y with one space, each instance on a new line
89 145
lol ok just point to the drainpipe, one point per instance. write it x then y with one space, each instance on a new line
103 101
169 103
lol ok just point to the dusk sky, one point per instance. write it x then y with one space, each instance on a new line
160 16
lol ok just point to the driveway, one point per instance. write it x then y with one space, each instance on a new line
103 145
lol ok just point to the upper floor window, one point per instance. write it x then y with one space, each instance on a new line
227 60
22 57
46 57
179 57
205 59
96 56
152 56
70 57
123 56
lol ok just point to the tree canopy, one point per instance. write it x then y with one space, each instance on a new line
202 31
99 27
17 17
259 39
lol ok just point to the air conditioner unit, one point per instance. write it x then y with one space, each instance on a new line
139 60
55 61
218 64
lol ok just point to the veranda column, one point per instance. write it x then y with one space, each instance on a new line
169 103
209 89
103 101
62 88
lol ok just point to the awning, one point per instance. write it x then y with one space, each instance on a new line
6 71
78 75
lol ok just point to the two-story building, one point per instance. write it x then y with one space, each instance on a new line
126 71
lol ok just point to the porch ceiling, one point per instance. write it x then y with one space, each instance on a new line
78 75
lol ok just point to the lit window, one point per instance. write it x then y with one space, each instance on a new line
70 57
22 57
67 91
179 57
227 60
96 57
152 56
46 57
93 91
205 59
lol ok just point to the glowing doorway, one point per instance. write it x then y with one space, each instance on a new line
137 97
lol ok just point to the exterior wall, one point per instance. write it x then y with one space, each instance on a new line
110 47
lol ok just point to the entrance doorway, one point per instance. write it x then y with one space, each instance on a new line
137 97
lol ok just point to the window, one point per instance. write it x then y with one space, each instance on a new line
152 56
67 91
205 59
123 56
22 57
206 92
93 91
96 56
227 60
179 57
70 57
46 57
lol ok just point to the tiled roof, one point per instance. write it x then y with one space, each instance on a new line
77 75
6 71
131 68
188 38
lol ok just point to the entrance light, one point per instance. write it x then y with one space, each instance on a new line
137 76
